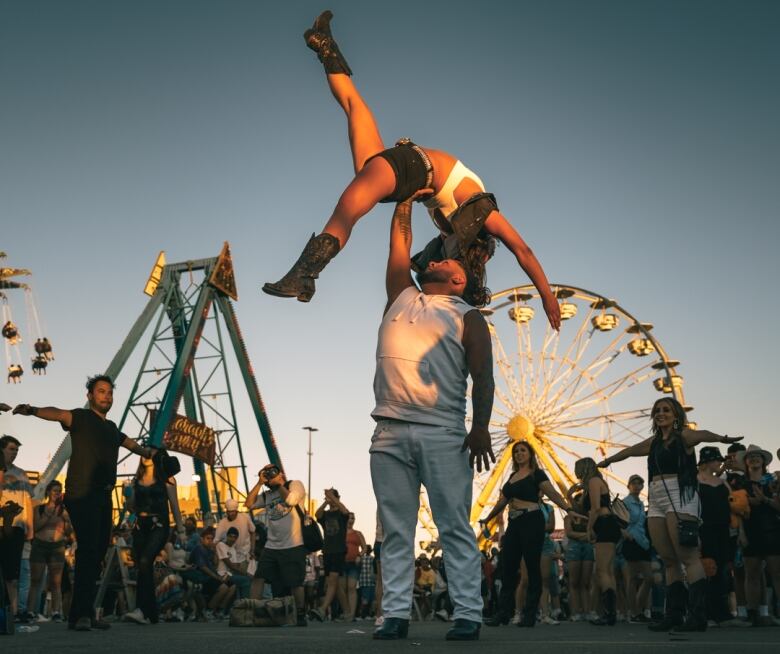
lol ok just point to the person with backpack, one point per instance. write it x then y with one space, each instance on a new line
283 559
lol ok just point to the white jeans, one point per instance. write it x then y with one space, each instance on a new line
405 455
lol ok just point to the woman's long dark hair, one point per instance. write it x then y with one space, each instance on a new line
686 464
476 293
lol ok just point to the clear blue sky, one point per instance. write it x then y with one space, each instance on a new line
635 146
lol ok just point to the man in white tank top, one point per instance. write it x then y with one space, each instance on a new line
430 341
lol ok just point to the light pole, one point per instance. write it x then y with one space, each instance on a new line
308 485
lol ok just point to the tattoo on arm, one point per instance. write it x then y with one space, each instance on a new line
403 216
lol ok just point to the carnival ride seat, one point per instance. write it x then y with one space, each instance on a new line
10 331
39 364
15 372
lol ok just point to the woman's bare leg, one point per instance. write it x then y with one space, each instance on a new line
364 138
375 181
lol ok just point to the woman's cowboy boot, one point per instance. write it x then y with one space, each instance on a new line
320 39
675 608
299 282
609 602
696 620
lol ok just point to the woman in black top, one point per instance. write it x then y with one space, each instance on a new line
714 533
603 531
153 491
524 535
672 472
762 529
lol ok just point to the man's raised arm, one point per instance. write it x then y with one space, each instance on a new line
50 413
399 275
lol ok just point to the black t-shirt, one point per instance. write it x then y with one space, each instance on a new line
334 527
527 488
95 450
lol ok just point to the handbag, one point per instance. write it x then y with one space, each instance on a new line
310 530
620 512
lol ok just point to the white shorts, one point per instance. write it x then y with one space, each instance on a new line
660 502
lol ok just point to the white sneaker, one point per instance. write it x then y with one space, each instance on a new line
549 620
517 617
136 616
380 620
442 615
39 617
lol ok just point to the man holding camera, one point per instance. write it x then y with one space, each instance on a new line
283 561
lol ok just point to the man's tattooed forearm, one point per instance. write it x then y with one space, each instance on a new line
403 214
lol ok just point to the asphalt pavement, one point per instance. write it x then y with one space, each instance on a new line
345 638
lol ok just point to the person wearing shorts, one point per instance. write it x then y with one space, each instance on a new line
333 516
356 546
671 467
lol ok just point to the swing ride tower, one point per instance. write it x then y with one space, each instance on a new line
183 396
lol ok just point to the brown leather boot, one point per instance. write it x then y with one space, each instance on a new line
320 39
299 281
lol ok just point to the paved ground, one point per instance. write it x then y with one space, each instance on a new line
219 638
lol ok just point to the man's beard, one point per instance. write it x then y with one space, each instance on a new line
429 276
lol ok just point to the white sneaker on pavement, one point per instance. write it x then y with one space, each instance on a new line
380 620
136 616
549 620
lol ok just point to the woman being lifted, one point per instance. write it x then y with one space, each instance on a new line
466 215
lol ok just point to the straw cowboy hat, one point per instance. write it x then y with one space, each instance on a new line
755 449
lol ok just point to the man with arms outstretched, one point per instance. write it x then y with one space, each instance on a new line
91 478
430 341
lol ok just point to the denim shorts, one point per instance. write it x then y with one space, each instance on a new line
351 570
578 550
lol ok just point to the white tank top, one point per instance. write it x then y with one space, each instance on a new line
444 200
421 371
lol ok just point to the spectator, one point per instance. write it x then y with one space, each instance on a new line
153 491
47 556
311 580
423 585
242 522
762 531
16 488
579 557
217 588
283 560
191 535
366 582
95 443
714 535
333 515
636 551
356 545
604 531
231 563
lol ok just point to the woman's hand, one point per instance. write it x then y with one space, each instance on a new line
591 536
727 440
553 311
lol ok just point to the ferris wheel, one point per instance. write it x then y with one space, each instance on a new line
584 391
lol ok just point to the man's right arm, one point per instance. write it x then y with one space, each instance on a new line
399 275
50 413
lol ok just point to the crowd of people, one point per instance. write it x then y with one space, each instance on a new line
632 563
